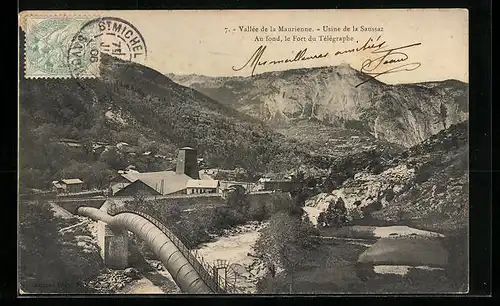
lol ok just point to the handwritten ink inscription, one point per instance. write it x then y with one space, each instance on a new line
382 59
254 61
388 61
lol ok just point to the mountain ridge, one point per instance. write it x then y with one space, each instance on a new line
186 78
405 114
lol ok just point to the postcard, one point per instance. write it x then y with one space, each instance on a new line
243 152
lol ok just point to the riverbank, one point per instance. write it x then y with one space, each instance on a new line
333 268
234 249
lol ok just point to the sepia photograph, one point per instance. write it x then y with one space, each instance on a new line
243 152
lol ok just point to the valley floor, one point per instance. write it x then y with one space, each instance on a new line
332 269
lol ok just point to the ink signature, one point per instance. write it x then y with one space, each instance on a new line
384 63
255 60
387 60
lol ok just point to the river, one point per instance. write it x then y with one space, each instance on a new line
232 249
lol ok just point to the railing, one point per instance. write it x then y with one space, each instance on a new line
172 196
207 272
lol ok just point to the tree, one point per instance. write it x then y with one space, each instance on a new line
281 203
45 131
39 250
113 158
138 202
87 142
93 175
354 214
30 178
258 211
171 212
321 219
42 267
237 199
285 243
224 217
299 193
335 215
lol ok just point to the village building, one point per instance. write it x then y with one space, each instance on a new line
72 185
166 182
67 186
151 183
57 187
264 179
204 175
202 186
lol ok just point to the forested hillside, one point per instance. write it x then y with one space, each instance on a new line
134 104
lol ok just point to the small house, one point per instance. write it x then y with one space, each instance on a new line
71 185
202 186
57 186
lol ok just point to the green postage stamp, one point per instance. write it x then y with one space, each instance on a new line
46 45
71 46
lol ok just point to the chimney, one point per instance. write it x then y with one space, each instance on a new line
187 163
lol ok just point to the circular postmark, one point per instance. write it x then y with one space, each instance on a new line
105 35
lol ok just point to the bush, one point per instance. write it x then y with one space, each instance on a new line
280 203
44 267
192 233
277 284
335 215
225 217
258 211
286 243
237 199
389 194
171 213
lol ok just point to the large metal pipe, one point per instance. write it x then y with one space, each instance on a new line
183 273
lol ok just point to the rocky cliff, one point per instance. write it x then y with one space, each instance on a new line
405 114
425 186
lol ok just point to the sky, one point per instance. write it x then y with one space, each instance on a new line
211 42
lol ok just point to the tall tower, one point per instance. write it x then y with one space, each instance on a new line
187 163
